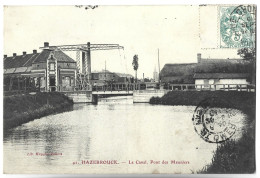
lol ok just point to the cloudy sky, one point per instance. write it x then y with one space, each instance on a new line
142 30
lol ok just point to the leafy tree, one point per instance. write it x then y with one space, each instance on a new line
135 65
249 54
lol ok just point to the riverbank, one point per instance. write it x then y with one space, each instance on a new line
22 108
231 156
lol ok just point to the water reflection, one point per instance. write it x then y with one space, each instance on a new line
114 129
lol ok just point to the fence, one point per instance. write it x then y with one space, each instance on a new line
213 87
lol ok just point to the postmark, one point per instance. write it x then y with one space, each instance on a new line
237 26
214 125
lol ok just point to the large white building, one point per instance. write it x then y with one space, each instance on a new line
220 80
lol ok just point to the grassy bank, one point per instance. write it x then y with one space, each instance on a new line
20 109
231 156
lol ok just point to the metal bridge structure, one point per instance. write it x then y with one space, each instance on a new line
83 60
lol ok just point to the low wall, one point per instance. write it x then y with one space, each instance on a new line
80 96
91 96
144 96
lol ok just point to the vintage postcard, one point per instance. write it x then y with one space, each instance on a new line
99 89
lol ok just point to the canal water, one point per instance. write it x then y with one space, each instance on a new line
114 129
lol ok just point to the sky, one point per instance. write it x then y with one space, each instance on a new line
142 30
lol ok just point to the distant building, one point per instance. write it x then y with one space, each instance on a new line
46 71
122 77
103 77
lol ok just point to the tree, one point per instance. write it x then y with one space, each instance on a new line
249 54
135 65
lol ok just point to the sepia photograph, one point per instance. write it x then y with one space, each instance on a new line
129 89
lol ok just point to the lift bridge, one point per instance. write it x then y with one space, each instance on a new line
83 60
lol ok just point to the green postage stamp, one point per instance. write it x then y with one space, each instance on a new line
237 26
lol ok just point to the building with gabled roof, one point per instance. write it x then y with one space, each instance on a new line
48 70
184 73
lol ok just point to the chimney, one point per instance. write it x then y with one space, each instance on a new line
46 44
24 53
34 51
14 54
199 57
5 56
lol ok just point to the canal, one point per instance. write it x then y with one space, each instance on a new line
114 129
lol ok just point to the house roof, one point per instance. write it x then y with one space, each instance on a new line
178 69
209 60
20 61
220 75
9 71
59 55
182 73
28 59
191 68
18 70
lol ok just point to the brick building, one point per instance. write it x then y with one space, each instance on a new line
47 70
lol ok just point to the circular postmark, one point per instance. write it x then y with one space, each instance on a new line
213 124
237 26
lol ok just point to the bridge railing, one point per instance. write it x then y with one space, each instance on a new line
122 87
114 87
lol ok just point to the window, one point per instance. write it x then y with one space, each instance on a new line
35 81
206 81
65 81
72 81
52 66
42 84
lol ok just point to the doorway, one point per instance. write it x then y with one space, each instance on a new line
52 84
